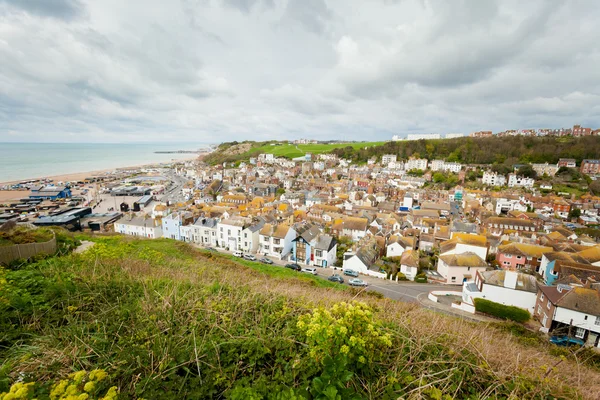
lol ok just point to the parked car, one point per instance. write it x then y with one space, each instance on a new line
566 341
357 282
249 257
295 267
312 271
336 278
265 260
238 253
351 272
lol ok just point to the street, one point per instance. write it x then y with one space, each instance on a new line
404 291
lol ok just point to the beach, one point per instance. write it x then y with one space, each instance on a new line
6 195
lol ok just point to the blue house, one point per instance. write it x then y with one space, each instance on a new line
302 251
50 192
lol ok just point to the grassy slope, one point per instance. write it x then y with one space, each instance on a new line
293 151
168 321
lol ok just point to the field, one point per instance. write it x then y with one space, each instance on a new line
158 319
292 151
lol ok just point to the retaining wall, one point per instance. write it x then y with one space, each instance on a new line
25 251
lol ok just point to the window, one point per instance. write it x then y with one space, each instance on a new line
585 318
319 253
468 268
548 304
597 321
246 235
519 257
266 247
453 279
228 232
508 255
539 310
542 297
221 229
580 333
276 241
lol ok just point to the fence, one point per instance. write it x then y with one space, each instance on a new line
27 250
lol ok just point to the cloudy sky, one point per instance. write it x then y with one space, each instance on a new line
209 71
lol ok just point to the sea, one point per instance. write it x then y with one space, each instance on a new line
21 161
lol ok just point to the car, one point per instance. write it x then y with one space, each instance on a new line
312 271
566 341
351 272
293 266
238 253
357 282
336 278
249 257
265 260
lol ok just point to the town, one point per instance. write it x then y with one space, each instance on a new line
507 238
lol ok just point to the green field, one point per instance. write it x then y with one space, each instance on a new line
293 151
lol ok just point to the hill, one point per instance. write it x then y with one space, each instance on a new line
159 319
498 150
234 151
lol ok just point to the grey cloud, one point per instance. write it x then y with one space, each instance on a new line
63 9
258 69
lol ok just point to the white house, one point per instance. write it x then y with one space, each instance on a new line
520 181
510 288
276 240
493 179
139 226
324 250
416 163
388 158
453 167
409 264
250 237
565 309
203 231
397 245
459 268
229 233
171 224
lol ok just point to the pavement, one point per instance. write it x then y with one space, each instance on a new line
83 246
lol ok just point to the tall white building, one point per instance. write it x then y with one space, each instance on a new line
416 163
520 181
452 167
437 165
419 136
454 135
388 158
493 179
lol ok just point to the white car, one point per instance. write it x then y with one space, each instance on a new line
312 271
357 282
238 253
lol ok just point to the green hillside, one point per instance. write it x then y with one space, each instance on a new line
233 151
157 319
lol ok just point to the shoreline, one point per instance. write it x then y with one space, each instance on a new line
77 176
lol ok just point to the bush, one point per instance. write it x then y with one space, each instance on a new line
421 278
501 311
401 277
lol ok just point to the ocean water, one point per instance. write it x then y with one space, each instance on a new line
20 161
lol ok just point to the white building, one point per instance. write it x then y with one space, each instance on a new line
459 268
426 136
493 179
139 226
454 135
520 181
229 233
203 231
388 158
276 240
452 167
510 288
437 165
503 206
416 163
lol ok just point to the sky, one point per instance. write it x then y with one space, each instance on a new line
213 71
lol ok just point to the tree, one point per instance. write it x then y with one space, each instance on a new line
574 213
595 187
527 171
280 191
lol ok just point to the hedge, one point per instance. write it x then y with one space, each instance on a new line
501 311
421 278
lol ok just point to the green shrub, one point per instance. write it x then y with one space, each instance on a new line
421 278
401 277
501 311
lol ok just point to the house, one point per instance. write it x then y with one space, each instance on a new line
171 224
139 226
520 181
565 310
459 268
363 260
521 255
353 227
229 233
204 231
397 245
559 264
250 237
325 251
311 247
497 225
465 243
493 179
510 288
409 263
567 162
50 192
276 240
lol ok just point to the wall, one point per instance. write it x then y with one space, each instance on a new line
394 250
509 297
28 250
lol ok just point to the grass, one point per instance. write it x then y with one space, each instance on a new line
167 321
22 235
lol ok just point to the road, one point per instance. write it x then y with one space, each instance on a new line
173 193
403 291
